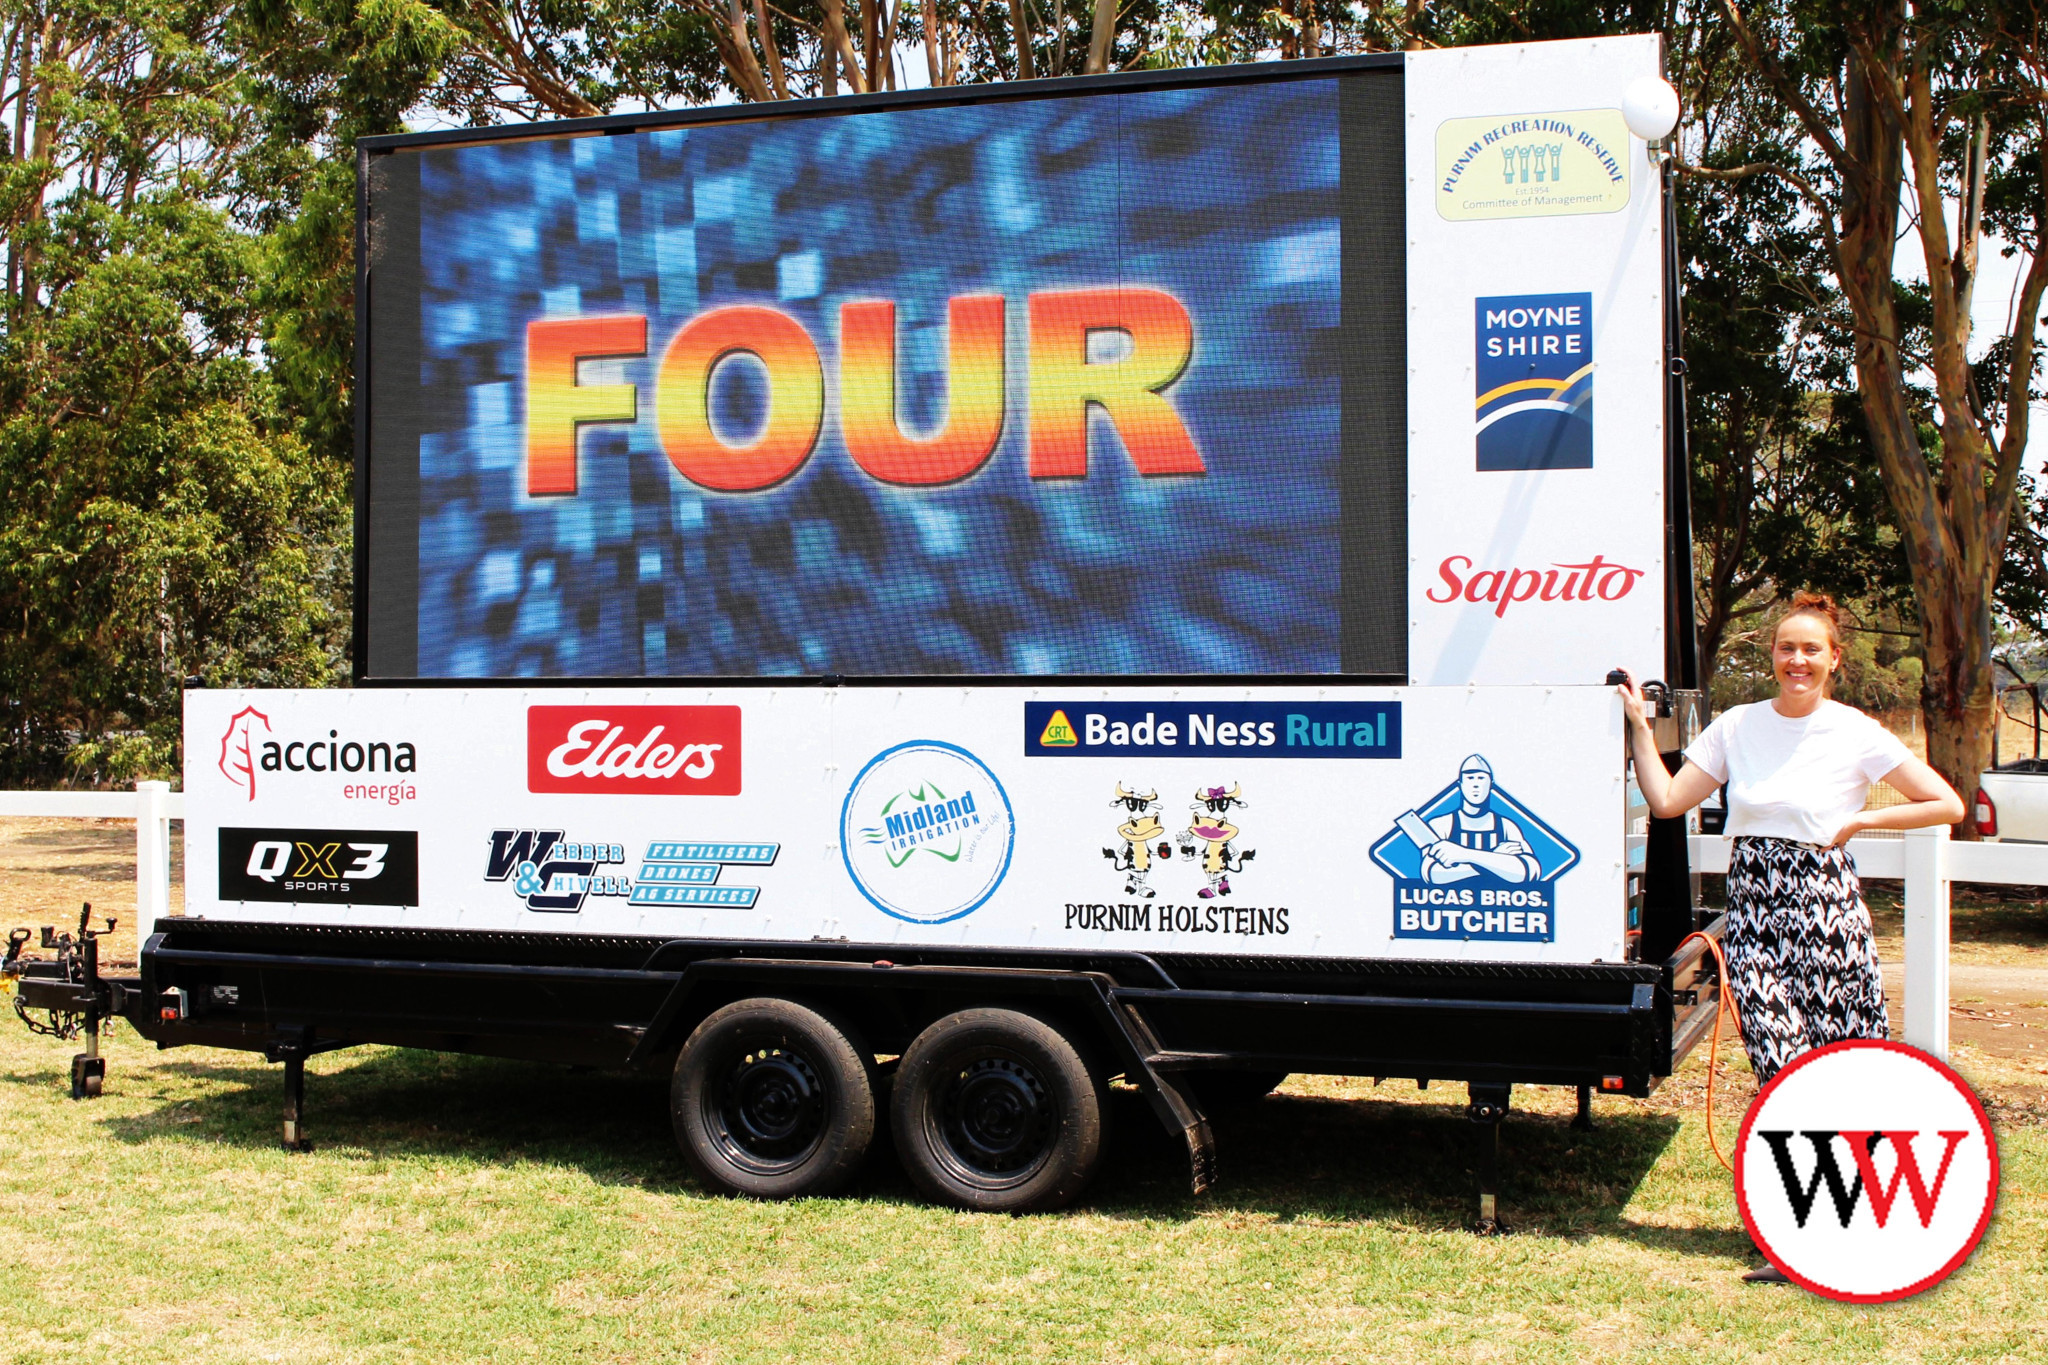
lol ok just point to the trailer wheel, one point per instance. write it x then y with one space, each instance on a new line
996 1112
773 1099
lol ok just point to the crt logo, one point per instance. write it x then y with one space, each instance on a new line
1535 382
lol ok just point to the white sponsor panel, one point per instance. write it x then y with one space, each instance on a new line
1535 336
1463 823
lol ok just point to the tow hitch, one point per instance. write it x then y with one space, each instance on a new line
69 994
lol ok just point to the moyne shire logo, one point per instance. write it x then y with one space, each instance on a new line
926 832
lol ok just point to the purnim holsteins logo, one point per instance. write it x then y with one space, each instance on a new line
1532 165
1474 863
926 832
238 748
1866 1171
1534 373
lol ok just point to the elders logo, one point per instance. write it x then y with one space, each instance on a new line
634 750
1866 1171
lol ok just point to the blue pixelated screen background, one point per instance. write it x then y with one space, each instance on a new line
1227 198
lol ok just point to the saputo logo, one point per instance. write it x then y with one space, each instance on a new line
248 746
1866 1171
1593 580
634 750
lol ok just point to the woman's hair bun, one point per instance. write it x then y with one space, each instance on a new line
1805 603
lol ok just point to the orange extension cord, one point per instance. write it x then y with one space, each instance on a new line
1726 1006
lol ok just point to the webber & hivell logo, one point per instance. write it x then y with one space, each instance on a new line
1534 377
554 874
1474 863
926 831
1866 1171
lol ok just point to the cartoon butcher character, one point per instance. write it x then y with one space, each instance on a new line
1475 837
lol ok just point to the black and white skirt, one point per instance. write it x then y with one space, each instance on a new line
1802 957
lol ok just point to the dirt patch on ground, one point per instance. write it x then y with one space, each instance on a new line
50 867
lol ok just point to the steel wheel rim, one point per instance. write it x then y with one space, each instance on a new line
993 1122
768 1109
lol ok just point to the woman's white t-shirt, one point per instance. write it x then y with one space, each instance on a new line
1797 778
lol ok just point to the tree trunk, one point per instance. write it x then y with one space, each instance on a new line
1020 33
1104 36
934 68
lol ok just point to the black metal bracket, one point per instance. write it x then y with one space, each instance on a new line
1488 1106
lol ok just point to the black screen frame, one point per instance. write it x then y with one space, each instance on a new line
1373 477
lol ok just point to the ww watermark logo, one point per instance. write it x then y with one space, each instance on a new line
1867 1171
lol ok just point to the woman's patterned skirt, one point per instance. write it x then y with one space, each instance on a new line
1802 957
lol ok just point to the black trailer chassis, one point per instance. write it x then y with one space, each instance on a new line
1181 1027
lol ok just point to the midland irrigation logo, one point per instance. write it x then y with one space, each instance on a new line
1866 1171
926 832
1534 375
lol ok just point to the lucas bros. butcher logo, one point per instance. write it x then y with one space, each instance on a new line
1474 863
926 832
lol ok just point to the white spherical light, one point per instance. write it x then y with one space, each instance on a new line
1650 108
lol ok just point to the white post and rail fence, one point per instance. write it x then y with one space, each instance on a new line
1925 860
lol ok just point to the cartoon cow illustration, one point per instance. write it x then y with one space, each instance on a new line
1134 859
1213 835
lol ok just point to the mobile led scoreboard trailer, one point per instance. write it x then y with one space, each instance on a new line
1038 582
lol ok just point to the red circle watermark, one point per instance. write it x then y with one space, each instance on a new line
1866 1171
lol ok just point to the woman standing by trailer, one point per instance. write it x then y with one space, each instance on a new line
1802 958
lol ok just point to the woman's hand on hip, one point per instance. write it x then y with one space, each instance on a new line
1857 824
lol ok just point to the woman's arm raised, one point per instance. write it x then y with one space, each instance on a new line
1667 794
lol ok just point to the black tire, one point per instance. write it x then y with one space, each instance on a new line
773 1099
1219 1092
996 1112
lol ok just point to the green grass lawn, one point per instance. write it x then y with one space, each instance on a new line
461 1209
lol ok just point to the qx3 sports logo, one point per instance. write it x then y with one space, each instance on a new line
1866 1171
320 866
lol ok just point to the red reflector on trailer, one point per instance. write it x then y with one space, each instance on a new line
1987 815
1610 1082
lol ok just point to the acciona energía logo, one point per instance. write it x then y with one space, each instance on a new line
1866 1171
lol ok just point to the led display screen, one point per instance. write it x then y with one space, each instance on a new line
1093 383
